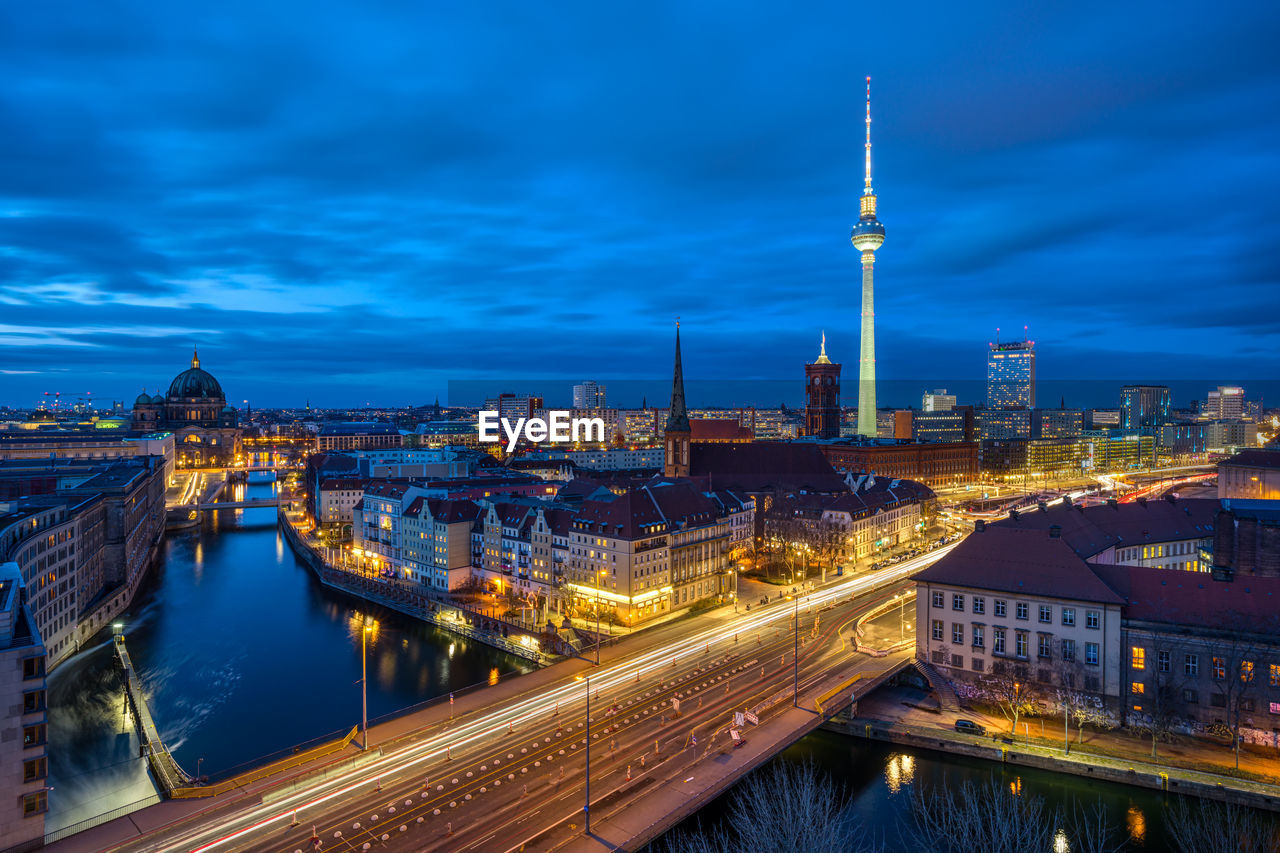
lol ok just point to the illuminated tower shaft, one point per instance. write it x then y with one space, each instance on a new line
867 236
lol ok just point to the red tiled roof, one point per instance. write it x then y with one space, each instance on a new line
1195 598
718 429
388 488
1091 530
334 484
452 511
628 516
764 466
1019 562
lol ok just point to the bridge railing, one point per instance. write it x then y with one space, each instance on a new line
99 819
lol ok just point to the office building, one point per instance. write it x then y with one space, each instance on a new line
946 425
1102 418
1225 403
357 436
822 396
1011 375
1003 423
589 395
938 401
933 464
1144 406
1251 475
1056 423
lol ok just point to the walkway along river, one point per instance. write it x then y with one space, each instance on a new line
244 654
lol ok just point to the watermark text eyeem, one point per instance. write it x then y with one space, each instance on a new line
559 427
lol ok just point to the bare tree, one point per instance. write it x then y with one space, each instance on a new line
992 816
977 818
1090 715
1161 707
1090 829
1071 700
1008 685
1234 659
1205 827
789 807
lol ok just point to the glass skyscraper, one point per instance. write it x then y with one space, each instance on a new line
1143 406
1011 375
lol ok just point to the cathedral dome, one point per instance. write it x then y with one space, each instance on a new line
194 383
143 399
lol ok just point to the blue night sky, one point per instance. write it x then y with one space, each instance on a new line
360 202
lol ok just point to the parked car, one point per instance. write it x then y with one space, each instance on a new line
969 727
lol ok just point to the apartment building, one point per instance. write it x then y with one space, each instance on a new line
24 764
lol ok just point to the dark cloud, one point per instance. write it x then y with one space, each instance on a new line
366 205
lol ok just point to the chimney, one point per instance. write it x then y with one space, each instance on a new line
1055 531
979 526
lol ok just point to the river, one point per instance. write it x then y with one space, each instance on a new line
243 654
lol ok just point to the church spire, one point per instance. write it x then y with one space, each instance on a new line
677 416
195 358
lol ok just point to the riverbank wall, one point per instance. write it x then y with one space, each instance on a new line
1171 780
440 614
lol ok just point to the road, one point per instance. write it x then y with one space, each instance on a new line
512 776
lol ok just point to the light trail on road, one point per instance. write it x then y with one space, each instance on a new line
213 835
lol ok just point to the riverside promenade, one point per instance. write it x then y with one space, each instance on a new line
541 649
1190 767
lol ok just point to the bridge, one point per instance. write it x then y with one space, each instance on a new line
248 503
167 773
671 717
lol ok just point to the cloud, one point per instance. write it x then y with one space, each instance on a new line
366 204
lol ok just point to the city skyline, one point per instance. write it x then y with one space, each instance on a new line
263 196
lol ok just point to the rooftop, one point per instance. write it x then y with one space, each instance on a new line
1019 562
1262 457
1093 529
1195 598
765 466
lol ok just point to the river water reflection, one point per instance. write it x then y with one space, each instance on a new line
243 654
878 779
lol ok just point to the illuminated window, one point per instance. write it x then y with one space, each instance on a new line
1246 671
1137 688
1139 658
1219 668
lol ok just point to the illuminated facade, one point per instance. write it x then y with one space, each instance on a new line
867 236
206 430
1144 406
1011 375
654 549
822 396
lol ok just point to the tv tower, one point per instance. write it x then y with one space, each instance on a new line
867 236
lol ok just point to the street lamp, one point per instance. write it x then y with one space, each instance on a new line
364 685
586 806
